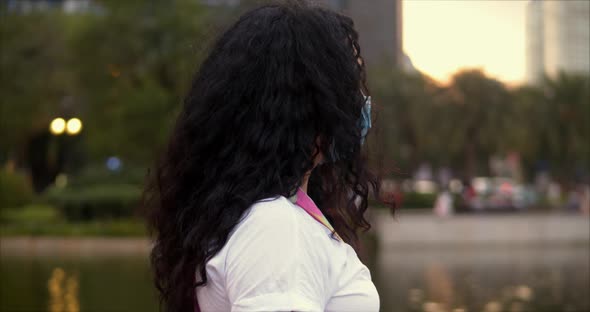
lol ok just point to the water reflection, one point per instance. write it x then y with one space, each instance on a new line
76 283
419 279
63 292
433 279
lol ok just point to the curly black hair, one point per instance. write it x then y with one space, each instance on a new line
280 86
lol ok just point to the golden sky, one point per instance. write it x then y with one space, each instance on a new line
443 36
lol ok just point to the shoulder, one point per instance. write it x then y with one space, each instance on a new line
276 232
279 234
265 224
270 262
271 209
277 220
271 216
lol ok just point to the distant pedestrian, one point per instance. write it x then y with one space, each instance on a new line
443 206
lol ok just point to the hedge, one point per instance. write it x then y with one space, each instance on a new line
30 214
420 201
15 190
109 201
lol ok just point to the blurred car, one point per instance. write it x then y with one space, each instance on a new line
497 194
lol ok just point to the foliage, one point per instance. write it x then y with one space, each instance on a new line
46 220
142 60
84 203
124 70
462 124
400 100
35 75
564 124
99 175
418 200
30 214
102 228
15 190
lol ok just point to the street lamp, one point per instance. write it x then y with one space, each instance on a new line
64 148
74 126
57 126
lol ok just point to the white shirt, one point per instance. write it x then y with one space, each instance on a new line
279 258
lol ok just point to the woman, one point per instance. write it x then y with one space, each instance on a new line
275 116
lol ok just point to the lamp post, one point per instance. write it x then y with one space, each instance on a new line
59 126
65 146
73 126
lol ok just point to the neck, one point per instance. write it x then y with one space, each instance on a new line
304 181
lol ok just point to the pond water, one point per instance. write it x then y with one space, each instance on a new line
495 279
71 284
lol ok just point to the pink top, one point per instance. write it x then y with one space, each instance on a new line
302 200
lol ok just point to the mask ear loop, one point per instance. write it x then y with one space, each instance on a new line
333 156
365 122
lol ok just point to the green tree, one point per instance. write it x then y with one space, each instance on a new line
564 127
481 118
135 63
403 112
35 77
123 68
529 124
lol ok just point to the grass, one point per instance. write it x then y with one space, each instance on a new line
44 220
115 228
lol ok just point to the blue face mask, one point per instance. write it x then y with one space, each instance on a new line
364 125
365 122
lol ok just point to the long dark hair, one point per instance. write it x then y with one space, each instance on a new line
281 85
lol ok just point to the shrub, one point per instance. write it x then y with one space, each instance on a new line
93 175
30 214
15 190
84 203
101 228
418 200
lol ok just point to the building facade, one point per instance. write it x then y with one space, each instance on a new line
379 24
535 68
558 38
